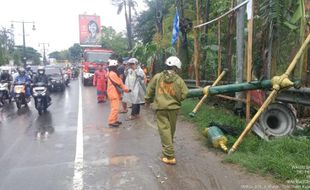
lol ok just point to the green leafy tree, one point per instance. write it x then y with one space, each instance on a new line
128 6
75 53
60 55
277 33
55 55
114 41
6 46
32 55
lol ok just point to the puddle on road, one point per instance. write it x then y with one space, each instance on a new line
59 146
123 160
126 161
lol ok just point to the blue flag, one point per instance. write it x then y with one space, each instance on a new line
175 28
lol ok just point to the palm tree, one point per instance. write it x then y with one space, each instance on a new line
127 6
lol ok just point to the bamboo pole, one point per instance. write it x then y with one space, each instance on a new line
252 122
219 78
298 55
299 67
249 66
178 47
197 47
219 54
231 98
279 82
306 54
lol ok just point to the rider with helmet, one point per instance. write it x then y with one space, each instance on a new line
6 76
42 78
167 89
29 72
23 78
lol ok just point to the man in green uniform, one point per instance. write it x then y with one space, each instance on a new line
167 89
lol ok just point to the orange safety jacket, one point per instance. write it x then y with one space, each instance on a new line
112 91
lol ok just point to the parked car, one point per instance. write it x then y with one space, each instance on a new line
57 81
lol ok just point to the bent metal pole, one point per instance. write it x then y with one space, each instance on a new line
192 114
278 83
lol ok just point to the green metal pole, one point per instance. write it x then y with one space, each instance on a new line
265 84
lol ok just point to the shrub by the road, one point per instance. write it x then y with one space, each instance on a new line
287 159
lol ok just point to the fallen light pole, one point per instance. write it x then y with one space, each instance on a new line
276 84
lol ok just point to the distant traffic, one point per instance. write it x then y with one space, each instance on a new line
18 84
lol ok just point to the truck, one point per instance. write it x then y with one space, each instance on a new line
92 57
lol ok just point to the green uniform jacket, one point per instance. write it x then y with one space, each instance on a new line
166 90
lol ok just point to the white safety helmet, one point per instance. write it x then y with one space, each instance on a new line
133 60
173 61
112 62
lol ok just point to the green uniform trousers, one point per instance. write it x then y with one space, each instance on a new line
166 123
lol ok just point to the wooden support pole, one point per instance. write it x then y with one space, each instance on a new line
249 64
219 53
231 98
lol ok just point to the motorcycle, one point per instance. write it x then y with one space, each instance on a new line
67 79
41 98
4 92
20 95
75 73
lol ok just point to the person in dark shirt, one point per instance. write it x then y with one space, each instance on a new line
43 78
121 73
6 77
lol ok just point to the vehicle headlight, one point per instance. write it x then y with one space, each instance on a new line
86 75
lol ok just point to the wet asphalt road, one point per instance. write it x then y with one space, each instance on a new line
52 152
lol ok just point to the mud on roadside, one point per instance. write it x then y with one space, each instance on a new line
199 167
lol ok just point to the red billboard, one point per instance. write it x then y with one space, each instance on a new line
90 30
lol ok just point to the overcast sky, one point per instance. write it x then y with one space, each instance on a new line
56 21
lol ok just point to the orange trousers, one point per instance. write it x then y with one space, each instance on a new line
113 117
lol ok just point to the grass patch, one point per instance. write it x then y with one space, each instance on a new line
285 158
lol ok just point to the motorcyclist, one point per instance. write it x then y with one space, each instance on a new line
68 75
29 72
6 76
23 78
76 72
69 72
43 78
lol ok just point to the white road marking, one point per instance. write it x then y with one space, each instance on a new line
78 162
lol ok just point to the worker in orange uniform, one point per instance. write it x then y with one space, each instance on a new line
115 88
100 79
